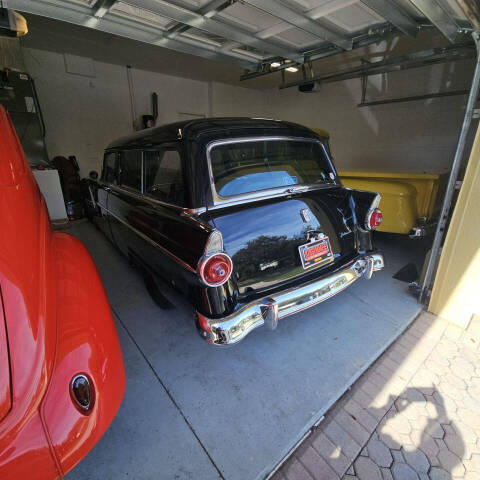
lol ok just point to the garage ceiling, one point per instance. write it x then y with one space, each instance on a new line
254 34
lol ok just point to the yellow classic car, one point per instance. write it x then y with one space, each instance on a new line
407 199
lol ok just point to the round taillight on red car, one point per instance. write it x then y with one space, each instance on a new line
82 392
374 219
216 269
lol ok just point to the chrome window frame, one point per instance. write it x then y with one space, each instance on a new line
219 200
141 195
102 174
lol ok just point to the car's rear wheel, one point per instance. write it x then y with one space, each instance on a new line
154 290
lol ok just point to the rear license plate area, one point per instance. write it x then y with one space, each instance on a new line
315 253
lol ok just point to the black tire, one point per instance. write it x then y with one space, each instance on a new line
155 293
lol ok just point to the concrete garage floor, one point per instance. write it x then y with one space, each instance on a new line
195 411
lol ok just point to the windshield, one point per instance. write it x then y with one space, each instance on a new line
250 166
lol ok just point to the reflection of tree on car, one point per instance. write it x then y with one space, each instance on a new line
261 251
275 253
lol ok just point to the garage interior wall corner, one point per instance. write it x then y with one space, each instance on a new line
457 282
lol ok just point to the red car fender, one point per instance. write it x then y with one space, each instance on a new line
88 344
28 454
57 323
27 289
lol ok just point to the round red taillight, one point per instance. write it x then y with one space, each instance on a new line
216 269
374 219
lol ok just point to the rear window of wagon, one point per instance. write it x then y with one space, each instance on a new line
255 165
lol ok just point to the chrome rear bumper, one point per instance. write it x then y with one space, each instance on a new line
267 311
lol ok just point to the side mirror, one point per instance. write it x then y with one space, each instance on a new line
93 175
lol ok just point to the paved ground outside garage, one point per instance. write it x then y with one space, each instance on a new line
194 411
414 415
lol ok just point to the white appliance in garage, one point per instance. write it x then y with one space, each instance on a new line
49 184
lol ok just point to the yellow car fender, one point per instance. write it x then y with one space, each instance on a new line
406 198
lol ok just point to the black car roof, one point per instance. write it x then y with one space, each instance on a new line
214 127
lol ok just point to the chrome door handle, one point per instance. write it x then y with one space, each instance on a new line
296 190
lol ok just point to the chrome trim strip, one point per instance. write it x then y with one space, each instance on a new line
149 199
260 195
149 240
142 173
219 201
239 324
92 199
188 212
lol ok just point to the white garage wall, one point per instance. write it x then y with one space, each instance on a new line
418 136
177 97
84 113
86 103
231 100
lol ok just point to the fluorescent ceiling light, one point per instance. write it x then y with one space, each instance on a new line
291 69
275 64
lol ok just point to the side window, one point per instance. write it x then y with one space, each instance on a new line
131 169
109 167
163 176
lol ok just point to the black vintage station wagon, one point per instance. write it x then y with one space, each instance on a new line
247 218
